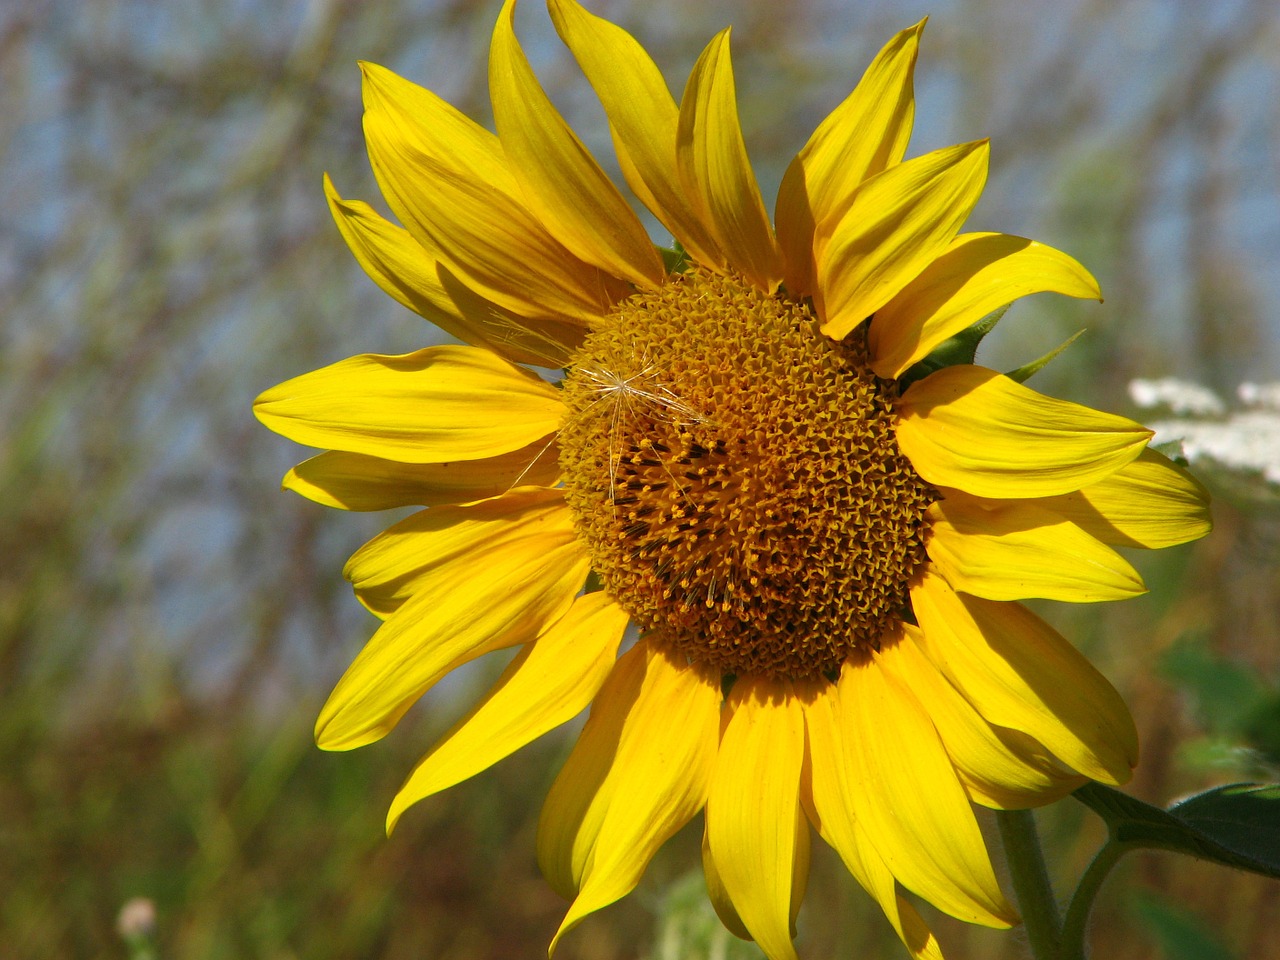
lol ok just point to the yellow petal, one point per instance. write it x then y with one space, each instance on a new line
833 792
1019 673
867 133
878 880
433 406
1151 502
896 224
1013 549
413 275
491 574
643 118
458 198
977 430
831 800
353 481
713 165
717 894
638 773
754 817
916 812
979 273
549 682
426 125
393 565
1002 768
563 185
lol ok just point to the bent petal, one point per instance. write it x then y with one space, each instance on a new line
832 789
713 165
471 579
896 224
918 818
391 567
1150 503
756 832
1019 673
978 431
717 894
354 481
563 185
409 272
424 125
638 773
1001 768
433 406
831 800
878 880
979 273
449 182
549 682
867 133
643 118
1013 550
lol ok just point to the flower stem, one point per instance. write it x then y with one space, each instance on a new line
1031 883
1074 925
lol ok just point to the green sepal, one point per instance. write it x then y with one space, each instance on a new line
954 351
1236 825
676 259
1028 370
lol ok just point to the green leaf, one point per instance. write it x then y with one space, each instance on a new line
1237 826
1243 818
675 260
960 349
1181 935
1028 370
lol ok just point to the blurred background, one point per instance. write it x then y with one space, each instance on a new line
170 623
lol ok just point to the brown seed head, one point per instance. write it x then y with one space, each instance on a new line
736 477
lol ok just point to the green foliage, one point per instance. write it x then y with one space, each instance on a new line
253 844
963 348
1237 826
1233 703
675 259
1028 370
960 349
1179 934
688 928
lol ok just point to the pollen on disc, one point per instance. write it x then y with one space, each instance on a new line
736 477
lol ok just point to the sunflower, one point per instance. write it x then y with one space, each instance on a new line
820 533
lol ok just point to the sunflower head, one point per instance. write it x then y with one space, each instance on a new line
756 455
735 476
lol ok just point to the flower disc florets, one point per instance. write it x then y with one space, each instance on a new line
735 475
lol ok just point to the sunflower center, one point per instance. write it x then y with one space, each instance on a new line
736 478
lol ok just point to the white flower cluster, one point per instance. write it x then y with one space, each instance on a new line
1242 441
1179 396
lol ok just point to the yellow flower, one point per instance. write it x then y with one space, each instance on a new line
822 547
